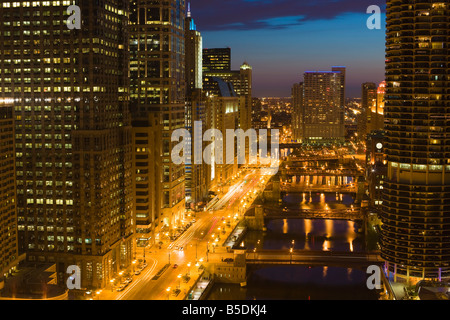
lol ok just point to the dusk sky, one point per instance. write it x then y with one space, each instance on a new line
281 39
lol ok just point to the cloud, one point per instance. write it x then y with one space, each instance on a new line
215 15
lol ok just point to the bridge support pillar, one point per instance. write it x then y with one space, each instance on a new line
360 188
259 218
276 191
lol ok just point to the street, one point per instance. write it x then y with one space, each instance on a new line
208 233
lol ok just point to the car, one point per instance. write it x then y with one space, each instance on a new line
137 272
175 266
129 280
194 221
121 288
176 292
144 266
181 249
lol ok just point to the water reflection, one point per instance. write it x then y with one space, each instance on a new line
351 235
309 234
285 226
316 200
321 180
299 283
308 229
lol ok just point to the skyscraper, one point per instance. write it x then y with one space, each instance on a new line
416 209
217 60
322 107
297 108
241 81
222 113
245 91
157 72
342 71
194 55
368 103
196 186
73 143
9 248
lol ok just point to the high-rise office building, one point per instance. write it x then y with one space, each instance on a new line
245 91
241 82
259 115
375 118
368 103
416 209
376 165
222 113
297 108
157 72
9 247
242 85
323 107
342 71
147 137
72 126
194 55
369 96
196 186
217 60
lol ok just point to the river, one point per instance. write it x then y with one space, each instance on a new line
300 282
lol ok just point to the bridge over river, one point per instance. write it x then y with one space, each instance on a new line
269 257
273 213
301 188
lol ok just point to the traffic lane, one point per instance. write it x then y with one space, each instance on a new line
150 289
253 180
201 230
157 289
190 233
153 266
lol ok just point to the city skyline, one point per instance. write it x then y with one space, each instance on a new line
135 160
282 39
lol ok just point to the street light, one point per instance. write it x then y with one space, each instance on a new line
189 269
179 280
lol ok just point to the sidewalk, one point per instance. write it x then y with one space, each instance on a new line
185 287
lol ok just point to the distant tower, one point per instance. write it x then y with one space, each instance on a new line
368 107
297 108
217 60
322 107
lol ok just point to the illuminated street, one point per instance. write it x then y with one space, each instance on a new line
195 241
183 152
